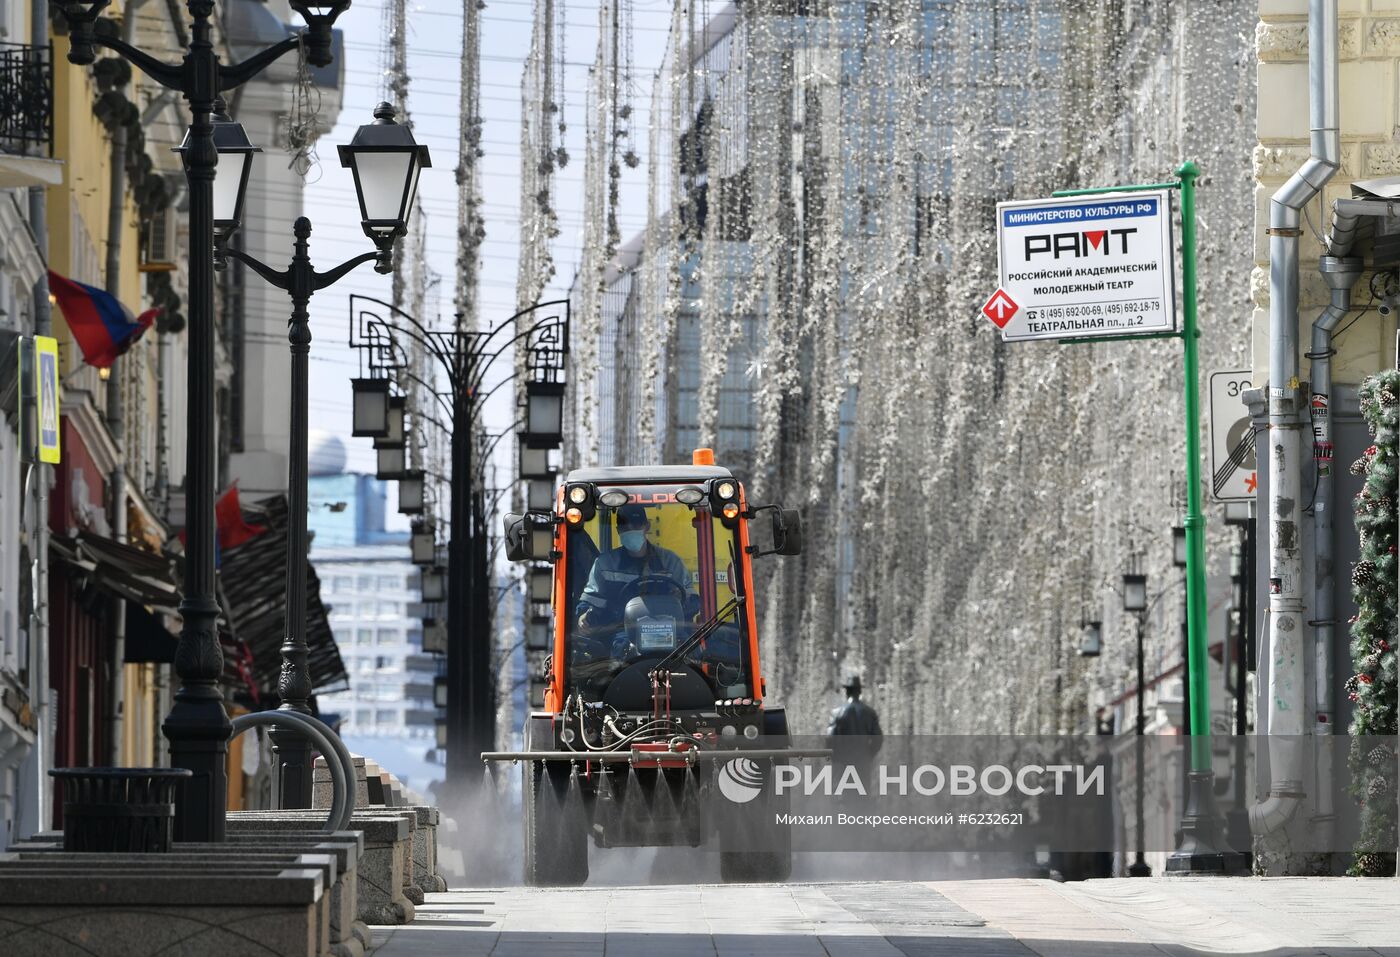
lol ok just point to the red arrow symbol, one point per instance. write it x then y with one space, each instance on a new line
1000 308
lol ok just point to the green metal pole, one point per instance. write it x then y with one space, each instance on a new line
1197 638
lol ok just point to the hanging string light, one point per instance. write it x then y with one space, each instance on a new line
540 113
471 225
303 119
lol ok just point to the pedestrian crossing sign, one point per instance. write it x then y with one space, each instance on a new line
46 392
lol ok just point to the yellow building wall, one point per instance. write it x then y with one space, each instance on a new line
77 210
78 237
139 737
1369 32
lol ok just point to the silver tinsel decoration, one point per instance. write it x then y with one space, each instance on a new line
471 226
966 501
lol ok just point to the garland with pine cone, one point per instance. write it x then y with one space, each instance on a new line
1372 688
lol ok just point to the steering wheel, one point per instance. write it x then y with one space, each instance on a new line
634 588
586 649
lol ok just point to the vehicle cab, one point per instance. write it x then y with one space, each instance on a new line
652 565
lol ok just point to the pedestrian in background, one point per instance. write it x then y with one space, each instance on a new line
854 733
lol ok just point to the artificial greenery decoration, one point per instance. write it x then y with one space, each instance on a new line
1372 686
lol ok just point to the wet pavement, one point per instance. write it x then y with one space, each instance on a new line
1317 917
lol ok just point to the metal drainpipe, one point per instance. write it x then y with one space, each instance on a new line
1340 275
116 417
39 625
1286 652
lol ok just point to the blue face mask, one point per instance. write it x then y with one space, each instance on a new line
634 541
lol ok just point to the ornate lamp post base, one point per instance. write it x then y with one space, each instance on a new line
1203 850
198 730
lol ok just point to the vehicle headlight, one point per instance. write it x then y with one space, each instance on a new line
690 495
751 731
613 498
578 494
726 490
728 731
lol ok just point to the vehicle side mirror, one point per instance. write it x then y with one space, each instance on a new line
529 537
515 537
787 531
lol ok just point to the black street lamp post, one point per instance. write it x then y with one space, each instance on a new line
399 160
464 357
1135 602
198 726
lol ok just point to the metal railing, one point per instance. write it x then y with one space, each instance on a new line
26 99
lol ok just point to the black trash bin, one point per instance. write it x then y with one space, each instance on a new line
128 810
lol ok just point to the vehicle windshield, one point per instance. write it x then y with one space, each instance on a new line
641 578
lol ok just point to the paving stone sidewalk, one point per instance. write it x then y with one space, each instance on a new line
1306 917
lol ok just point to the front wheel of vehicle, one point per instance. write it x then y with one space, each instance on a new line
754 847
755 867
556 848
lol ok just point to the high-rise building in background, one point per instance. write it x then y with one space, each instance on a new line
372 590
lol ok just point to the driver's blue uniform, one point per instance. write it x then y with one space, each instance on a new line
614 569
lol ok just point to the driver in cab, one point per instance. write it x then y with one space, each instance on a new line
601 606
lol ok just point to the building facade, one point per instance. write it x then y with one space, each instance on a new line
285 117
804 300
89 548
1362 343
26 168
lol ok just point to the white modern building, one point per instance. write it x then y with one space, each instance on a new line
371 590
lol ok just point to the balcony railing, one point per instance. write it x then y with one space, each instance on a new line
26 99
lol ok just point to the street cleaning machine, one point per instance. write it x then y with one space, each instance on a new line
650 724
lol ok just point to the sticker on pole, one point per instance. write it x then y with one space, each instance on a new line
1234 462
1000 308
1086 266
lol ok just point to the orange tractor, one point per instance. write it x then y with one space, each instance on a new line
654 728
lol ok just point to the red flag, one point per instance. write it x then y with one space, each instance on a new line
228 517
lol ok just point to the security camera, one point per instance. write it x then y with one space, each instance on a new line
1389 306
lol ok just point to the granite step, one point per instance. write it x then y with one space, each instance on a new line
49 910
387 859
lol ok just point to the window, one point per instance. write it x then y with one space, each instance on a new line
342 584
686 572
362 716
388 609
389 636
390 583
365 583
364 636
386 716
